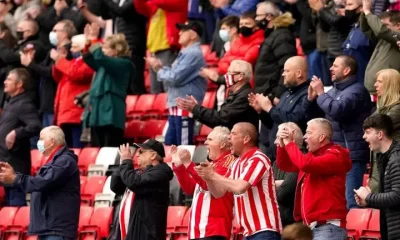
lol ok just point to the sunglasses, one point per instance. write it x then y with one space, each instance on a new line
141 151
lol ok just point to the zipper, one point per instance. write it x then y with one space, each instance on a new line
302 202
345 139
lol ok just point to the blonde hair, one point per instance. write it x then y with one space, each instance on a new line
391 86
298 134
242 67
118 43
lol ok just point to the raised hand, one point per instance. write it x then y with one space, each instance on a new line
254 103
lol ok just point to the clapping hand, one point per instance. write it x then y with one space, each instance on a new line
286 136
264 102
205 170
209 74
317 85
125 152
7 173
367 5
154 63
26 57
361 195
187 103
254 103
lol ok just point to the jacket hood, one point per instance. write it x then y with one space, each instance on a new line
284 20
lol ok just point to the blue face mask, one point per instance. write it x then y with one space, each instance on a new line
53 38
40 146
224 35
76 54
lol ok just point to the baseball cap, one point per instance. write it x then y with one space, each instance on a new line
191 25
152 144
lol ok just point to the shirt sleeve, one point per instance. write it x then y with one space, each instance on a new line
254 171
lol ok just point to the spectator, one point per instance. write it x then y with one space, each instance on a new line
289 109
146 192
235 109
128 21
55 190
19 122
73 77
388 91
7 18
237 8
202 12
297 231
346 105
105 113
27 41
285 182
60 37
162 36
251 181
210 217
386 53
378 133
320 191
27 10
183 80
357 43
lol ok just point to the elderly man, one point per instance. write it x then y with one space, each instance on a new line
378 130
55 190
146 192
251 181
320 193
211 218
236 107
289 108
19 121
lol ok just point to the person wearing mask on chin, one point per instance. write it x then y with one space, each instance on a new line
55 190
19 121
357 44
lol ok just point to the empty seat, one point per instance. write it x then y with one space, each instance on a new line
175 217
106 197
152 128
77 151
99 225
19 227
182 230
357 220
87 157
202 137
83 180
36 160
130 104
85 215
107 156
200 154
93 186
159 109
373 231
7 218
144 103
134 129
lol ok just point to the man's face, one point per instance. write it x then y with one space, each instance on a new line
185 36
236 139
228 29
145 157
313 137
61 34
372 137
26 28
390 25
337 70
213 145
351 5
289 75
48 142
11 84
247 22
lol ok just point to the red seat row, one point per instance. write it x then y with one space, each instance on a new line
90 187
140 131
363 224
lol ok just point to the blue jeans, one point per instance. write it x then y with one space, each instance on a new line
265 235
180 131
47 119
354 180
15 197
318 65
329 231
53 237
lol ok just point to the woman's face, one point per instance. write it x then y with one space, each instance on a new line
380 90
107 50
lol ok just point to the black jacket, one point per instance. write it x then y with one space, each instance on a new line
148 219
55 196
308 39
388 197
20 115
289 109
278 46
235 109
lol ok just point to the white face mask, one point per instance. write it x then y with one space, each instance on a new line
53 38
40 146
224 35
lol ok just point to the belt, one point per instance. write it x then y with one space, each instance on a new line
339 223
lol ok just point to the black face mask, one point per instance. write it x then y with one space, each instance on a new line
20 35
262 24
246 31
352 15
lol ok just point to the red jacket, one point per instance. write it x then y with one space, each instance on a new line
175 12
243 48
73 77
210 216
321 184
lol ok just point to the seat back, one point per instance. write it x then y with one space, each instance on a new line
83 180
77 151
97 170
160 102
104 200
107 156
85 215
144 102
21 218
102 217
107 187
175 216
357 220
130 103
86 157
374 223
94 185
7 216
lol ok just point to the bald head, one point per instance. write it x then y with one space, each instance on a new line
298 63
294 71
248 129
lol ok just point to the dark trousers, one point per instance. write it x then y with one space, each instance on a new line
73 135
15 197
180 131
106 136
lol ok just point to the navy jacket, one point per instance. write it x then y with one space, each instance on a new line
55 196
346 105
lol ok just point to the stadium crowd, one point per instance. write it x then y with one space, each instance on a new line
293 105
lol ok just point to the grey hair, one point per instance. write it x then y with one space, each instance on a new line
270 8
298 134
55 133
242 67
326 126
223 135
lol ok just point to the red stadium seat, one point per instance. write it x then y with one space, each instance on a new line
99 226
175 217
2 195
7 218
130 104
134 129
83 183
18 229
37 160
77 151
209 100
202 137
85 215
373 231
86 157
159 109
182 230
94 185
357 220
365 180
151 129
299 48
206 49
144 102
147 81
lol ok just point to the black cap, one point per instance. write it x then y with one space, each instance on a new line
191 25
152 144
3 1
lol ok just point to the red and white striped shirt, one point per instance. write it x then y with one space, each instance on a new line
209 216
257 209
125 212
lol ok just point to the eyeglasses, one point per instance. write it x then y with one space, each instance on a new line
233 73
141 151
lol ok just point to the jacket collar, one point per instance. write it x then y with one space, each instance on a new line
298 87
194 45
17 97
257 34
322 149
244 87
349 81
